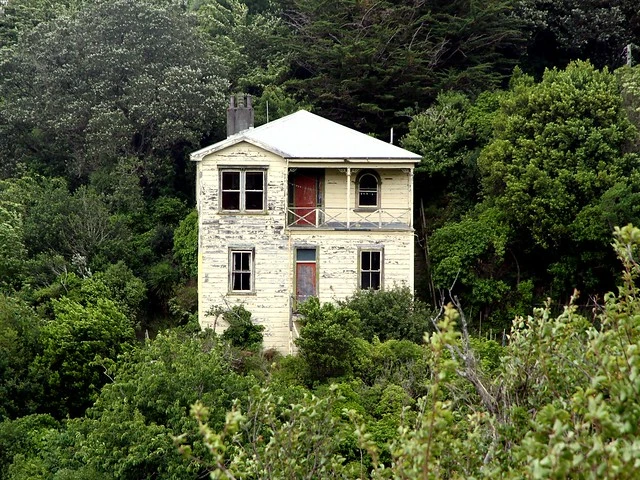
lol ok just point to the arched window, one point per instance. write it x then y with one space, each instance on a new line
368 184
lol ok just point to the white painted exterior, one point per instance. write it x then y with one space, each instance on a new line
273 240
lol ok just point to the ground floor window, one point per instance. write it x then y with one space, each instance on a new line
370 268
241 268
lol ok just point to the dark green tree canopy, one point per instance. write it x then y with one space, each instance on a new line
367 61
116 79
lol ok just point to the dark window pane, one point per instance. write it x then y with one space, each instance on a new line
365 264
254 181
241 281
375 260
246 258
368 199
231 180
375 281
365 280
368 182
306 255
231 200
253 201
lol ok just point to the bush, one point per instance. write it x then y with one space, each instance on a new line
241 332
390 314
327 340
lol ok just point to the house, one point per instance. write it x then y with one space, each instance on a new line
299 207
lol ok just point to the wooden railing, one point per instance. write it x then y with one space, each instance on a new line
342 218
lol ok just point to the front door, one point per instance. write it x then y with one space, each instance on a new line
306 278
305 199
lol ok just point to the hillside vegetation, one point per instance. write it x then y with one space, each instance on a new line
514 359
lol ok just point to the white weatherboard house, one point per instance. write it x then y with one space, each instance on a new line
299 207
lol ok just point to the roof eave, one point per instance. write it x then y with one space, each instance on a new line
230 142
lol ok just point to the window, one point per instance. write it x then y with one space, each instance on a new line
242 190
370 269
241 268
368 184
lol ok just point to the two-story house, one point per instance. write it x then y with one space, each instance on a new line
299 207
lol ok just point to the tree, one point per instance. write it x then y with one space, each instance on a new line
20 391
127 432
564 30
367 62
328 340
115 80
21 16
70 344
185 244
389 314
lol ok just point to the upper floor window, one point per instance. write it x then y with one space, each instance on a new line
242 190
368 184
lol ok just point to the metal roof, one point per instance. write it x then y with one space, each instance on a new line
305 135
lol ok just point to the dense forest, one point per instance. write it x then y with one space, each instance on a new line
517 357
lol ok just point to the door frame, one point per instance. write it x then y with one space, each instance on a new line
295 270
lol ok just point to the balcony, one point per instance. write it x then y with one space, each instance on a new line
349 219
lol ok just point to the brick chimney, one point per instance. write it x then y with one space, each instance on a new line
239 114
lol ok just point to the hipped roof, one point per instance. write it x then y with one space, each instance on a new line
305 135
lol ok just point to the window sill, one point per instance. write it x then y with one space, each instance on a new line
366 209
242 212
242 294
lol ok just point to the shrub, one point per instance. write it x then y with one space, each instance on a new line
241 332
328 339
390 314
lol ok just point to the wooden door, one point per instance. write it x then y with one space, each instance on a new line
306 275
305 199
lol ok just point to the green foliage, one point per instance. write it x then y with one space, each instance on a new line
127 433
162 279
123 287
557 147
70 344
114 80
440 134
327 341
185 244
388 314
399 362
564 30
364 62
471 253
20 392
273 440
22 436
556 177
12 248
241 332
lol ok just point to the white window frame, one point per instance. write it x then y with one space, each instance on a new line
251 271
242 190
374 249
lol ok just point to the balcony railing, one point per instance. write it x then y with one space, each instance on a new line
348 219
